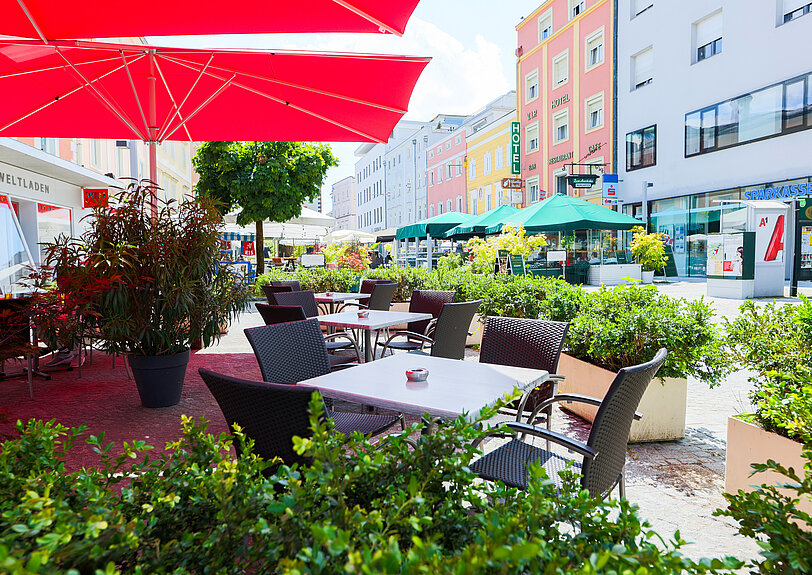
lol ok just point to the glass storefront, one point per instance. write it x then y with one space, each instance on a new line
52 221
14 256
687 221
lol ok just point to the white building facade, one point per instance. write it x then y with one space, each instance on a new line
344 204
370 187
714 103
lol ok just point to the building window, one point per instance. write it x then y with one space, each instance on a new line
532 138
459 167
594 112
594 50
641 148
95 153
766 113
431 211
459 204
531 86
499 161
472 168
450 173
560 69
642 68
640 6
546 25
431 154
439 174
561 127
708 36
448 145
792 9
486 164
576 8
439 208
457 140
431 178
532 190
449 207
480 124
473 203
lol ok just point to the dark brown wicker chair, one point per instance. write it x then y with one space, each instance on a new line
294 285
531 343
295 351
272 413
368 285
273 314
304 299
423 301
270 292
380 296
448 334
603 461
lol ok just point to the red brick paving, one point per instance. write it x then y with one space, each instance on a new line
107 401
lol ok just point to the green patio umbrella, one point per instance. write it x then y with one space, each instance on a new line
434 227
478 224
562 213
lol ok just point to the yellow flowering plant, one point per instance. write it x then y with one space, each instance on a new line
513 239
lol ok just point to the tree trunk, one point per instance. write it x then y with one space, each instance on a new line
260 246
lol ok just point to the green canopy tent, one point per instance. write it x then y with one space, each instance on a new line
431 228
479 224
562 213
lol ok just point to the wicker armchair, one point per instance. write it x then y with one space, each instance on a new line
423 301
270 292
294 285
448 333
273 314
380 296
603 456
530 343
272 413
295 351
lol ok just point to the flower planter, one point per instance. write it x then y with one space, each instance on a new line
475 329
663 404
648 277
159 378
748 443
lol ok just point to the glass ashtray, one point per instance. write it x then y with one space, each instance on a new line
418 374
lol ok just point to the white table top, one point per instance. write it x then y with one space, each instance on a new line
376 319
339 296
453 386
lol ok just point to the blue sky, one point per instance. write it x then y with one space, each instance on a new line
472 44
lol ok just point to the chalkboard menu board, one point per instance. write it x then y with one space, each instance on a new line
517 264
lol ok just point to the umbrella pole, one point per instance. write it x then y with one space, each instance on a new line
153 133
153 177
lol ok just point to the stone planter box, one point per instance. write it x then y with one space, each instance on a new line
663 404
748 443
475 329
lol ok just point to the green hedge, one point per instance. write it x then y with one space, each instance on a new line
358 508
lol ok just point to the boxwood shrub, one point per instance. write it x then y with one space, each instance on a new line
360 508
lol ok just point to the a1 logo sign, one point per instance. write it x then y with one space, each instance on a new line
776 244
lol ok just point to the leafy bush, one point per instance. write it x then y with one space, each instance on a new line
358 508
774 519
627 324
775 342
513 239
648 249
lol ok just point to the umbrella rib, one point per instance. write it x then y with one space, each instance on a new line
189 93
172 98
205 103
367 16
121 115
52 68
298 86
135 93
32 21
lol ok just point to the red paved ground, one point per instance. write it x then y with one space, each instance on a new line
106 400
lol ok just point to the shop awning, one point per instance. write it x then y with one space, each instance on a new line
48 19
237 236
479 224
562 213
434 227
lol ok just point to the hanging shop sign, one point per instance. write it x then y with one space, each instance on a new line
248 248
515 148
610 189
512 183
95 198
582 181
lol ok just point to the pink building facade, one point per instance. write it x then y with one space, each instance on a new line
446 174
565 81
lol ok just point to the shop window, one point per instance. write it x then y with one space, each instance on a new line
641 148
642 68
52 222
15 258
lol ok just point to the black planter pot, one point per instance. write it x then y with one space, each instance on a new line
159 378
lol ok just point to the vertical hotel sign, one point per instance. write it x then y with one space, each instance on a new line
515 148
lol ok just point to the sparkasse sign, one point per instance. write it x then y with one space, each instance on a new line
512 184
515 148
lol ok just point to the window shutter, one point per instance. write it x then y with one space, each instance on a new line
643 66
709 29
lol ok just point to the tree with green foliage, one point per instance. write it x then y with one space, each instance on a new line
267 180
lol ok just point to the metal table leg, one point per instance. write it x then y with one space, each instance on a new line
368 351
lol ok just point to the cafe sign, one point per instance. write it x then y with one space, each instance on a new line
512 183
515 148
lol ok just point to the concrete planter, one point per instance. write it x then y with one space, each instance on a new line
748 443
648 276
475 329
663 404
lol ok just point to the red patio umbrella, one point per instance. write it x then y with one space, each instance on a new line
69 19
121 91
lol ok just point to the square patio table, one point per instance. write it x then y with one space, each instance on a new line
339 297
453 386
376 320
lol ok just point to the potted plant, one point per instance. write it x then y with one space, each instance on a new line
649 251
167 291
775 344
626 325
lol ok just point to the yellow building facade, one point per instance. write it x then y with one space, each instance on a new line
487 163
